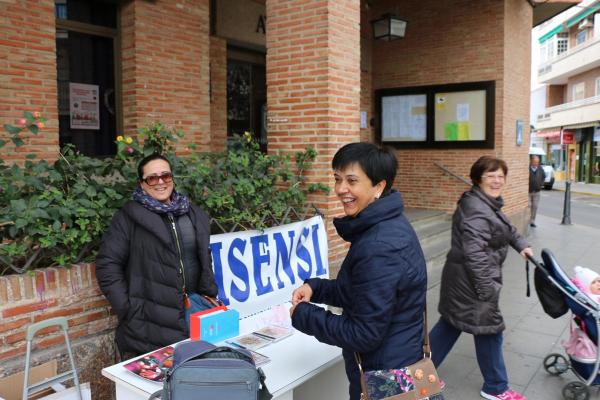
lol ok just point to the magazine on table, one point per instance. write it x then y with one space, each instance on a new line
274 332
259 359
148 366
261 337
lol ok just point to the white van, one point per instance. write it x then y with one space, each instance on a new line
548 169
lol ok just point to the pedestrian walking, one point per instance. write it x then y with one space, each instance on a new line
536 181
472 277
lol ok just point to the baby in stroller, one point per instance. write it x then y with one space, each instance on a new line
588 281
581 293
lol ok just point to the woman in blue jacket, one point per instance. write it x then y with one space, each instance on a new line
382 282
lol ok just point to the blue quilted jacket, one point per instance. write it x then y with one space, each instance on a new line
381 287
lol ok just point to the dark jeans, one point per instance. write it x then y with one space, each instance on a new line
488 348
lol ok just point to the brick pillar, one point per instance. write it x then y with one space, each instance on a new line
515 106
28 74
313 87
165 63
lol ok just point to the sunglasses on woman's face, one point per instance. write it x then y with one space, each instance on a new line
152 180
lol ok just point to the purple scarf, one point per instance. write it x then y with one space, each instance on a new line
179 204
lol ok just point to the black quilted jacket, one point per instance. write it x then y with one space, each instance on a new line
472 275
138 271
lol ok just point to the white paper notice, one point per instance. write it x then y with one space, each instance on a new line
404 118
462 112
84 106
363 120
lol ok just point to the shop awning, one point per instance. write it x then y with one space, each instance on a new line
587 11
582 125
548 134
551 33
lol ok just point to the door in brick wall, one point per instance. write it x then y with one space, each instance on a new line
85 59
246 99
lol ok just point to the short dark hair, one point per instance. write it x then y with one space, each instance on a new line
146 160
378 163
486 164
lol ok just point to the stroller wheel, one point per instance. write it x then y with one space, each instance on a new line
576 391
556 364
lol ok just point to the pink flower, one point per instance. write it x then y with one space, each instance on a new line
39 124
22 122
130 150
37 114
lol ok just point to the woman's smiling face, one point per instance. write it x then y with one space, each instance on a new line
492 182
162 190
355 190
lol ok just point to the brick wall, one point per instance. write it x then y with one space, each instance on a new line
165 67
313 83
588 78
466 45
218 93
515 106
70 292
28 73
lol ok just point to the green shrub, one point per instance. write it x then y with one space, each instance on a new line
56 213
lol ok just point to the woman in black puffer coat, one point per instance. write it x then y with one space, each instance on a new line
472 276
154 254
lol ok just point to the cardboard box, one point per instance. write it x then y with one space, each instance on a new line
214 325
11 387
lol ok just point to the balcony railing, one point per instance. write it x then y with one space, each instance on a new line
546 67
574 112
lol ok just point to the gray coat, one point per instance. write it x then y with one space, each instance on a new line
472 275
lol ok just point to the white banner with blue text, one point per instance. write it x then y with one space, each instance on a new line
256 270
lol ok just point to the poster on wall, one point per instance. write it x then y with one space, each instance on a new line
460 116
84 106
404 118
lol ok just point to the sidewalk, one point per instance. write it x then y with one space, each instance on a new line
580 187
530 334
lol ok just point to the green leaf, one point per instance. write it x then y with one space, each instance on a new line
28 156
13 130
17 141
29 116
20 223
18 205
90 191
33 129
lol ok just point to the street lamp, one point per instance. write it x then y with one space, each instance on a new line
389 27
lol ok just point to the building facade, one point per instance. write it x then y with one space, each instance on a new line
570 70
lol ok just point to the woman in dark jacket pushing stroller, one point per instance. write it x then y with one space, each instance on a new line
154 256
382 282
472 277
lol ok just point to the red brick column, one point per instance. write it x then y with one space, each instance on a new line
515 105
313 87
28 74
165 47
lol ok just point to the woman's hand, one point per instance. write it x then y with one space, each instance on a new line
527 252
303 293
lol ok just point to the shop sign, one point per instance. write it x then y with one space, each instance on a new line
568 137
84 106
241 21
255 270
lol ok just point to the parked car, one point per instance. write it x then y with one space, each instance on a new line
548 168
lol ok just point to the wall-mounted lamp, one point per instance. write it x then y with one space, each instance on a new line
389 27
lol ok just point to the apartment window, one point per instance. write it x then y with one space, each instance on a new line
562 43
581 37
578 91
597 86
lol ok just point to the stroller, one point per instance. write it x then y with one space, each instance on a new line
586 314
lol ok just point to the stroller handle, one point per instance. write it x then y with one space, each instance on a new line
535 261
